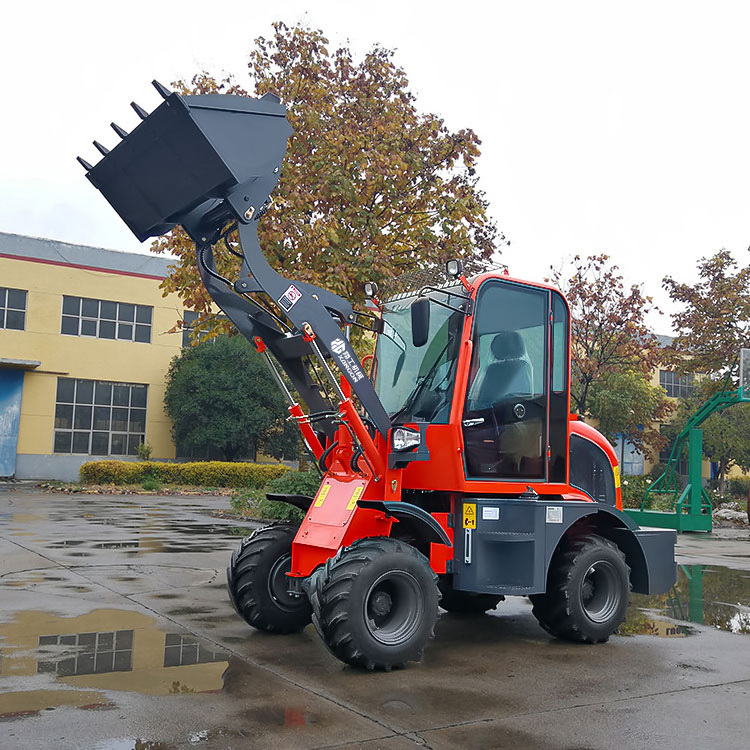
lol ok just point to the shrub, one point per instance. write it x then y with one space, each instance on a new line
201 473
633 489
739 487
295 483
144 451
254 502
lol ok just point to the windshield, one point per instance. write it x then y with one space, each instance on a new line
417 383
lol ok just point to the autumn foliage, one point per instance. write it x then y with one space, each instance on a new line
613 352
713 322
370 187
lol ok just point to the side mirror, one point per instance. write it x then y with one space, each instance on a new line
420 321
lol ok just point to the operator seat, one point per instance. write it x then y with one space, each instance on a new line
510 373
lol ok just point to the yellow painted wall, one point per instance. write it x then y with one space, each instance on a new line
84 357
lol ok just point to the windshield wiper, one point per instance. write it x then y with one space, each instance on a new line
412 398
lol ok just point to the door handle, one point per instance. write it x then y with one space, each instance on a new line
473 422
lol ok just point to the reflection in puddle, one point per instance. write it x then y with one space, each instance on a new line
50 661
704 594
133 529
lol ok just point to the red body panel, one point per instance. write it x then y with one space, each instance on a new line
334 520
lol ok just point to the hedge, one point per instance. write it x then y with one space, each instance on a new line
202 473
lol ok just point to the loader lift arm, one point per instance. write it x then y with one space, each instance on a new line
207 161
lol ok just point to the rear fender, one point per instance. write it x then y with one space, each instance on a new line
648 552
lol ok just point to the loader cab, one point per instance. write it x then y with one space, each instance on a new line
514 410
516 404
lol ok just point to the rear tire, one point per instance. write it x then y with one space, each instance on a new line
375 603
465 602
588 590
258 585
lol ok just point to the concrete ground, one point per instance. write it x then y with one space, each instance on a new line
116 634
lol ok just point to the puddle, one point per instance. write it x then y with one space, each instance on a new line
84 528
704 594
130 743
50 661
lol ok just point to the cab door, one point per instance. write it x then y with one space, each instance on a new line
506 412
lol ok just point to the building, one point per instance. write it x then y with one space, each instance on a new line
84 350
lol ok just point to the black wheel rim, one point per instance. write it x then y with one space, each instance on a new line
278 585
600 592
394 608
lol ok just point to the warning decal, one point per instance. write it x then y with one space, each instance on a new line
616 472
324 490
470 515
355 496
290 297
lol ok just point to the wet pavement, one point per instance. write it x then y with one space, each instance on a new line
116 634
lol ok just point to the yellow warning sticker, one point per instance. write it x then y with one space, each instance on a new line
355 496
322 494
470 515
616 471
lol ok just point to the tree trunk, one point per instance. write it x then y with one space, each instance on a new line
722 475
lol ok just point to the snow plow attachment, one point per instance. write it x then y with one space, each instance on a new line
189 158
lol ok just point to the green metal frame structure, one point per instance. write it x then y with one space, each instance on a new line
691 506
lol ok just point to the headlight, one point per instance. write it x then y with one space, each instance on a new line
403 439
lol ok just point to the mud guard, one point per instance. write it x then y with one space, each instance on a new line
303 502
433 531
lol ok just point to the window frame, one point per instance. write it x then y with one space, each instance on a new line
87 317
79 403
6 309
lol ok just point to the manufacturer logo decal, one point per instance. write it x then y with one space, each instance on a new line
338 346
346 361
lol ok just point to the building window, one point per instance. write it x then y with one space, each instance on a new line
188 318
628 456
180 650
676 386
87 653
12 308
99 418
106 320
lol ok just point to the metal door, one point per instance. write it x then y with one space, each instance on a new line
11 387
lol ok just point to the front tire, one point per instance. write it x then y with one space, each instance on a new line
375 603
258 585
588 590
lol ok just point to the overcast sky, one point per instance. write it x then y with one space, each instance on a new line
618 128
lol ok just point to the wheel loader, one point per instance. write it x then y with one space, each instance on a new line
453 474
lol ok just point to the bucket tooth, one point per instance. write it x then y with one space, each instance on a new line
139 110
120 131
103 150
163 90
84 163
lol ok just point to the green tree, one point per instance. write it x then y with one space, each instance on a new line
624 402
370 187
713 323
613 351
220 395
